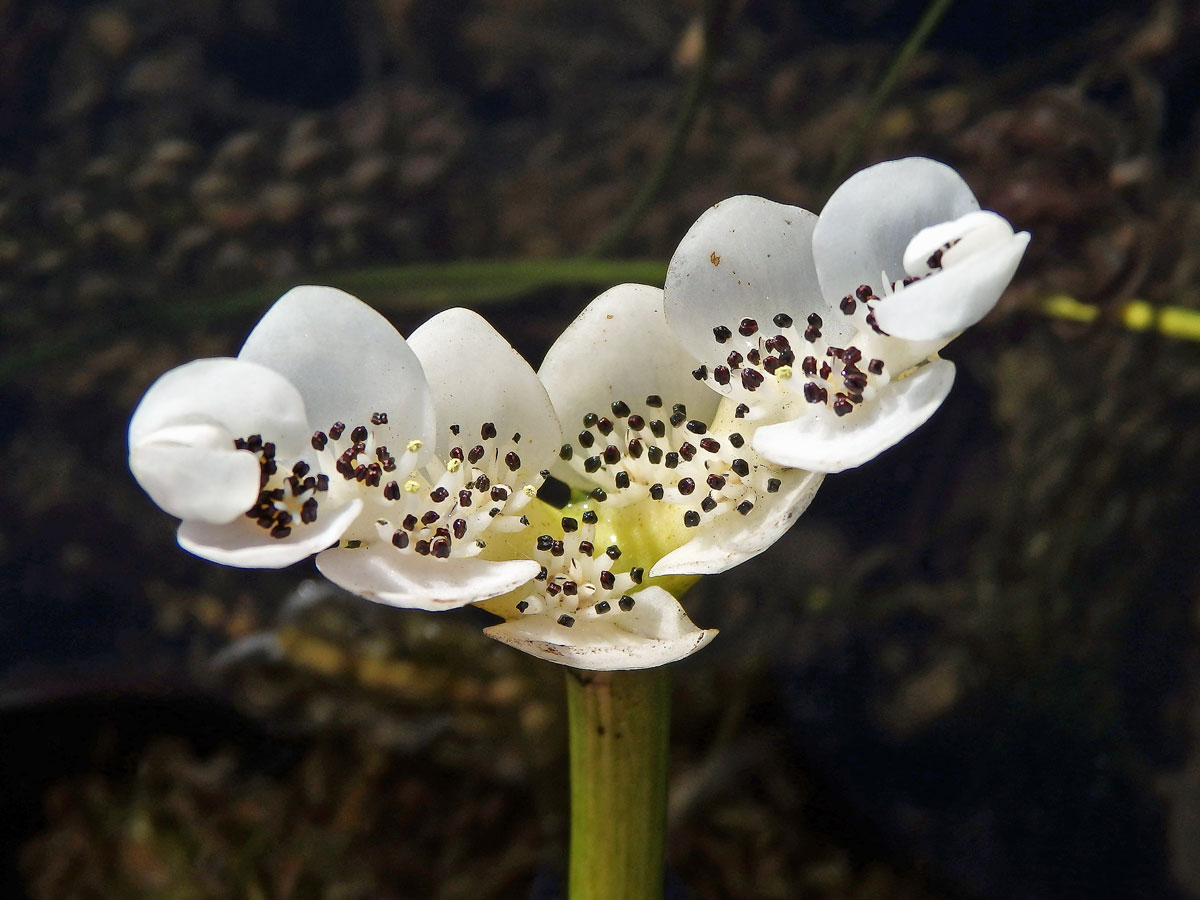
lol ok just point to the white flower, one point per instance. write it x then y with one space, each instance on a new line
827 329
328 428
667 487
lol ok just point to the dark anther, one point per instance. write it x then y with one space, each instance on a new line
935 261
855 381
809 366
686 451
612 454
700 373
863 291
708 504
374 475
454 430
721 375
782 343
654 401
308 511
391 491
557 548
654 454
437 495
336 429
457 453
569 524
512 461
773 485
487 431
782 320
751 379
620 409
710 445
422 547
686 486
360 473
542 574
636 574
851 355
353 545
621 480
516 438
522 606
635 449
475 454
460 528
440 547
875 367
812 392
565 452
570 588
400 539
591 464
589 517
626 603
602 607
734 359
842 405
747 327
824 370
598 495
753 356
464 497
379 418
658 428
607 580
695 426
741 411
744 507
604 426
678 418
636 422
429 517
613 552
590 419
736 440
280 531
359 434
848 305
691 518
770 364
566 621
319 440
812 334
722 334
656 491
410 522
740 467
586 439
671 459
544 542
586 548
482 483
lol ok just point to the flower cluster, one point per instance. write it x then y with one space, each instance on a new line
693 424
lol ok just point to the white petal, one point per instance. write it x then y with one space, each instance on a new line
244 545
241 397
824 443
620 348
967 234
869 221
733 539
409 580
476 376
746 257
655 632
196 481
941 305
347 362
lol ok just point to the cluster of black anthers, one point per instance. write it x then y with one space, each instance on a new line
277 508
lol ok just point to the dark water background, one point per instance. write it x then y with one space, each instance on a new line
970 671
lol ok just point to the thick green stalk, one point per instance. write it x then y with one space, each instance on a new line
619 726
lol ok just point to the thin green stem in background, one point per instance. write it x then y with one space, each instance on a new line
870 115
715 14
619 725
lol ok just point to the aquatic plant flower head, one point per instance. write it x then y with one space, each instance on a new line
825 330
329 430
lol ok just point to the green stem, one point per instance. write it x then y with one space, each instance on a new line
619 725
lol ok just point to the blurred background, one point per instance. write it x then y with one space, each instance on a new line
970 671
